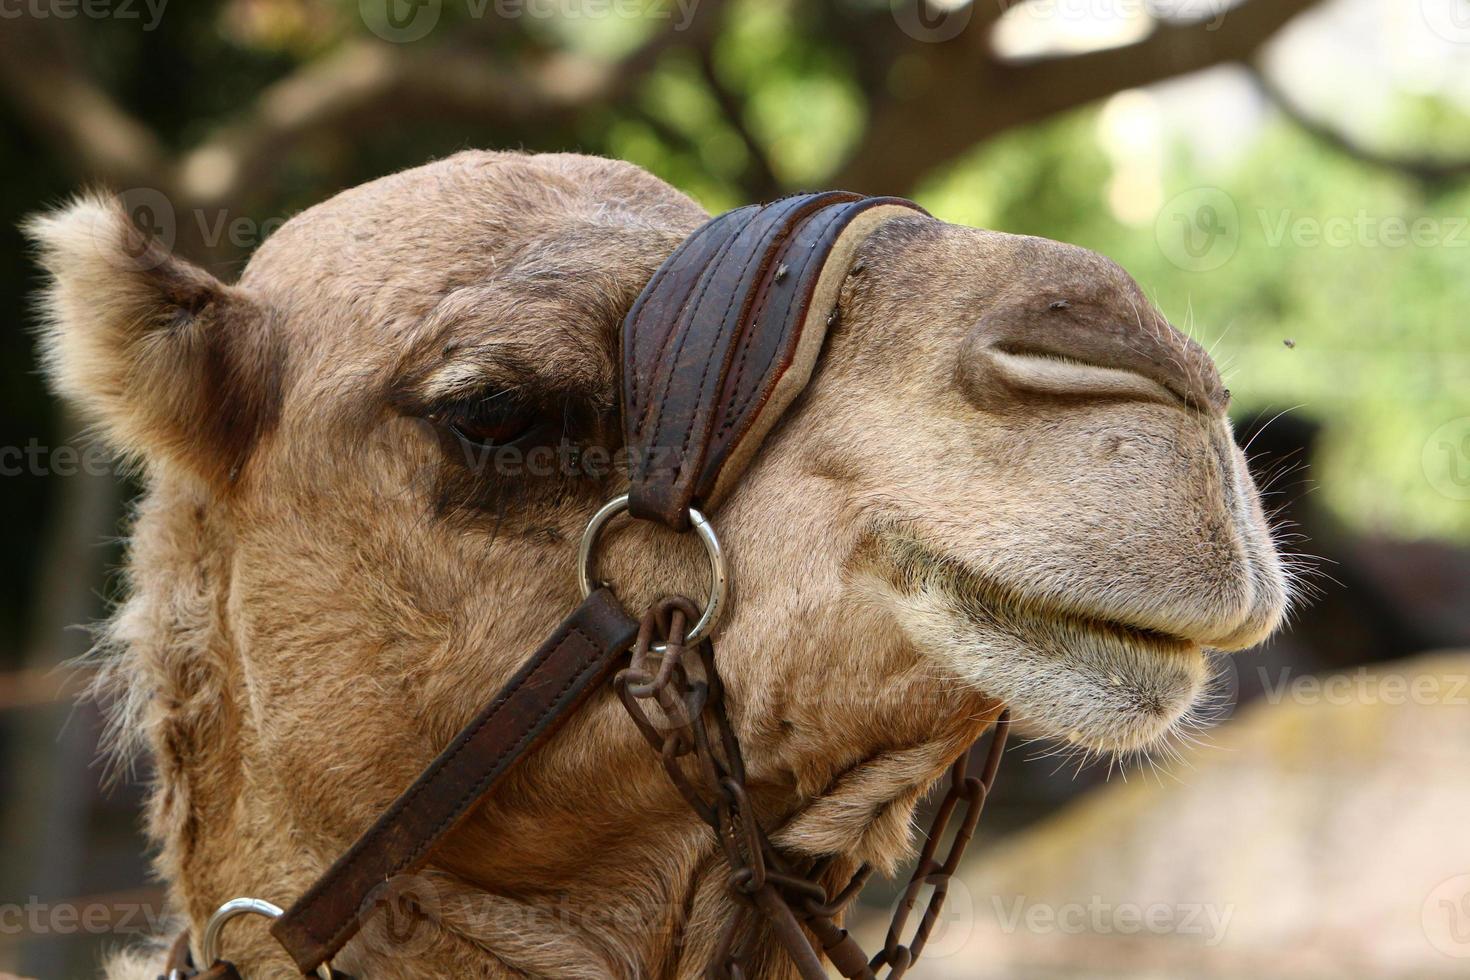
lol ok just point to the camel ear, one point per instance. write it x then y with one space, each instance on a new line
177 368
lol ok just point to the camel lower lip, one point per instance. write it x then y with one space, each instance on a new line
1068 673
1001 605
1134 635
982 598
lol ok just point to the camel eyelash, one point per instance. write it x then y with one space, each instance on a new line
494 420
474 424
510 441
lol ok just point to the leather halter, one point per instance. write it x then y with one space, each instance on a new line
716 348
725 336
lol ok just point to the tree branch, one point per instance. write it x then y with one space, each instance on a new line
360 85
762 182
1422 168
966 97
366 84
85 126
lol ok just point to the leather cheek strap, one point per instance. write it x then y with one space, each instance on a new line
717 346
569 666
725 336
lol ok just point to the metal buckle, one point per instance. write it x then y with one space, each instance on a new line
719 576
209 945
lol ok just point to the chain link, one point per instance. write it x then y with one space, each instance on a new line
692 735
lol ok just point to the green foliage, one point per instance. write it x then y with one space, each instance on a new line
803 104
1362 270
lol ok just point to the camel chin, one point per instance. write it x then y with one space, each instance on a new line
1098 685
1089 680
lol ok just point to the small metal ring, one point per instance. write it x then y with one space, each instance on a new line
719 575
209 945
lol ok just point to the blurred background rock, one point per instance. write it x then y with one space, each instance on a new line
1323 837
1290 179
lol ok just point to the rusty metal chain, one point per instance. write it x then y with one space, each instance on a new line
698 749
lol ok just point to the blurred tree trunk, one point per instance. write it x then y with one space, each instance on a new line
52 744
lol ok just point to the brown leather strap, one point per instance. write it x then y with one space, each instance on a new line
720 342
725 336
573 662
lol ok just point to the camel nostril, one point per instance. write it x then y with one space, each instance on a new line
1106 348
1061 376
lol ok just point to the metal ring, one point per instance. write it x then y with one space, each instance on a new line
719 576
209 945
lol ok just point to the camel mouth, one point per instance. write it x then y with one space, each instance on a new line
1143 637
1083 676
987 601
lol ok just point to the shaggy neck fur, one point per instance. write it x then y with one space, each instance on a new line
565 872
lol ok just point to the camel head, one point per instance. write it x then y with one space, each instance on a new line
369 462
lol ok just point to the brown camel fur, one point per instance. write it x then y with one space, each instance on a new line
1011 480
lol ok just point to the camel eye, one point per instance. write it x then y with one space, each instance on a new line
487 422
492 432
495 437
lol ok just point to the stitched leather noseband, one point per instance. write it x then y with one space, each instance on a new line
716 348
724 337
